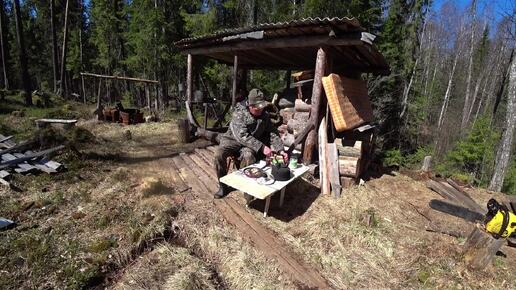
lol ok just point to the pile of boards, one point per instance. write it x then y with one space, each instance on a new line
16 159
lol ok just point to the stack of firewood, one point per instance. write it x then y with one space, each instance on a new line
295 109
354 153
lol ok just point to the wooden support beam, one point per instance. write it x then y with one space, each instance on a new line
235 80
350 39
189 72
321 69
119 78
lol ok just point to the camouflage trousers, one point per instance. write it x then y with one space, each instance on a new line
231 148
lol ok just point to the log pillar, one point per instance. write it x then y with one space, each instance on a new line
235 80
189 72
480 248
321 69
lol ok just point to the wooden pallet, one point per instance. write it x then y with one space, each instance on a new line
196 171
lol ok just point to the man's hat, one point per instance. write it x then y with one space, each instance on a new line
257 99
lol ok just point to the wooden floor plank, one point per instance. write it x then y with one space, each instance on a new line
199 161
172 174
259 235
211 149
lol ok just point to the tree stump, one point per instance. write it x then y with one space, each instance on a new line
183 126
480 248
427 163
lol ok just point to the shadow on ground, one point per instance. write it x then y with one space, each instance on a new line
299 196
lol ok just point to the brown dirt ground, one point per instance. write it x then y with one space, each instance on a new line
118 220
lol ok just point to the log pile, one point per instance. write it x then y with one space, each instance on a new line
295 109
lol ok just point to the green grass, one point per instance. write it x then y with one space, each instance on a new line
18 120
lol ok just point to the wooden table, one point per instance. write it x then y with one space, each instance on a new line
238 180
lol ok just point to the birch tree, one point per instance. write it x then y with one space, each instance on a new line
504 150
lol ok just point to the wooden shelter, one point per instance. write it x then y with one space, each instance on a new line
327 45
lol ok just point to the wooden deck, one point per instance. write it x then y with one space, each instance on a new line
195 170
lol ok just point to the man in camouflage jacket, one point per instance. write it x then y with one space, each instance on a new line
250 134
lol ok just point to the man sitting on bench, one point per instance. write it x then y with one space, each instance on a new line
250 135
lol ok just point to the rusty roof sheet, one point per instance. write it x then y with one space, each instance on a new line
306 26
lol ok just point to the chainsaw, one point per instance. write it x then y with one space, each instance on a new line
499 221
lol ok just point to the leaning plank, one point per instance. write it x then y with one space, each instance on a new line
447 191
323 158
300 137
322 67
258 235
467 198
18 147
5 139
456 210
30 156
480 248
441 190
333 166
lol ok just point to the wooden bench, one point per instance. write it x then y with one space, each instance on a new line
42 123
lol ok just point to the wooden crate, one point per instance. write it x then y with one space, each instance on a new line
348 101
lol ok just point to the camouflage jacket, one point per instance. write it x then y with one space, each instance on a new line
253 132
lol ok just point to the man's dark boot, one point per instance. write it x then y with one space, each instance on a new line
223 191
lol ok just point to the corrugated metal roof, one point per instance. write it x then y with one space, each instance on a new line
306 26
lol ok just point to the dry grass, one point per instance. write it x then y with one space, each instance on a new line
167 267
394 251
115 213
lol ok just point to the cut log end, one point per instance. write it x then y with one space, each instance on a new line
480 248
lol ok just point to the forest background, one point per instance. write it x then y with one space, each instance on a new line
451 92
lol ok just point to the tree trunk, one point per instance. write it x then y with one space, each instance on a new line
322 65
506 75
447 94
406 91
63 58
55 64
23 57
3 44
504 151
468 99
81 4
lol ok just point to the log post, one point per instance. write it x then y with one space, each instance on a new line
189 79
235 80
321 68
83 90
205 125
288 76
480 248
183 126
427 163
